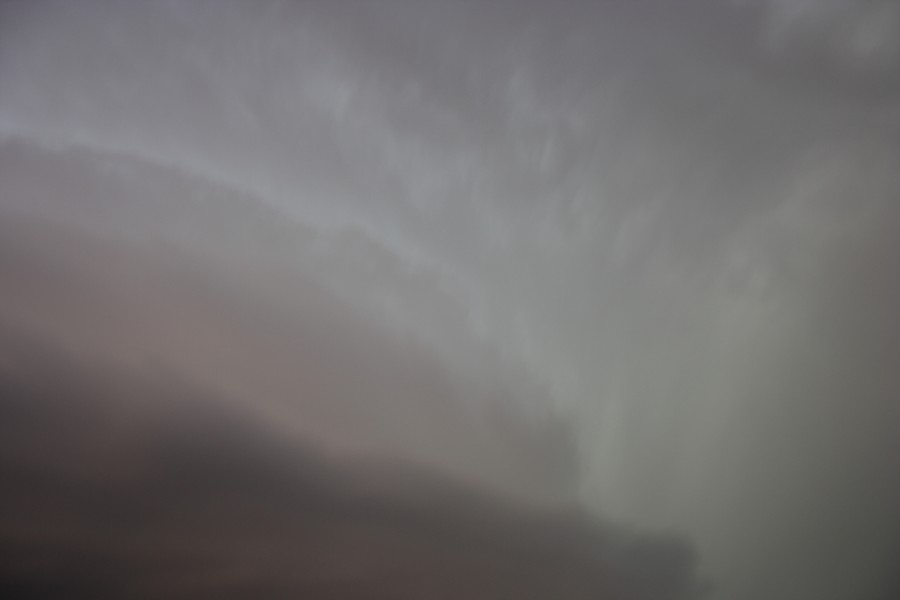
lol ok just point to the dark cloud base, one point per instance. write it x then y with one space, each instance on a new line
118 485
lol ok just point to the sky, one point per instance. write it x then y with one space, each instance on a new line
667 231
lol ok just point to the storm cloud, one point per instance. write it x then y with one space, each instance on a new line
636 258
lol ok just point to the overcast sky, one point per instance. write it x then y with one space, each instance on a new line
675 231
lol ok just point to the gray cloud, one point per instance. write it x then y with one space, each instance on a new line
666 227
119 483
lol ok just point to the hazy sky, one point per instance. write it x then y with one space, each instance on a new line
676 230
